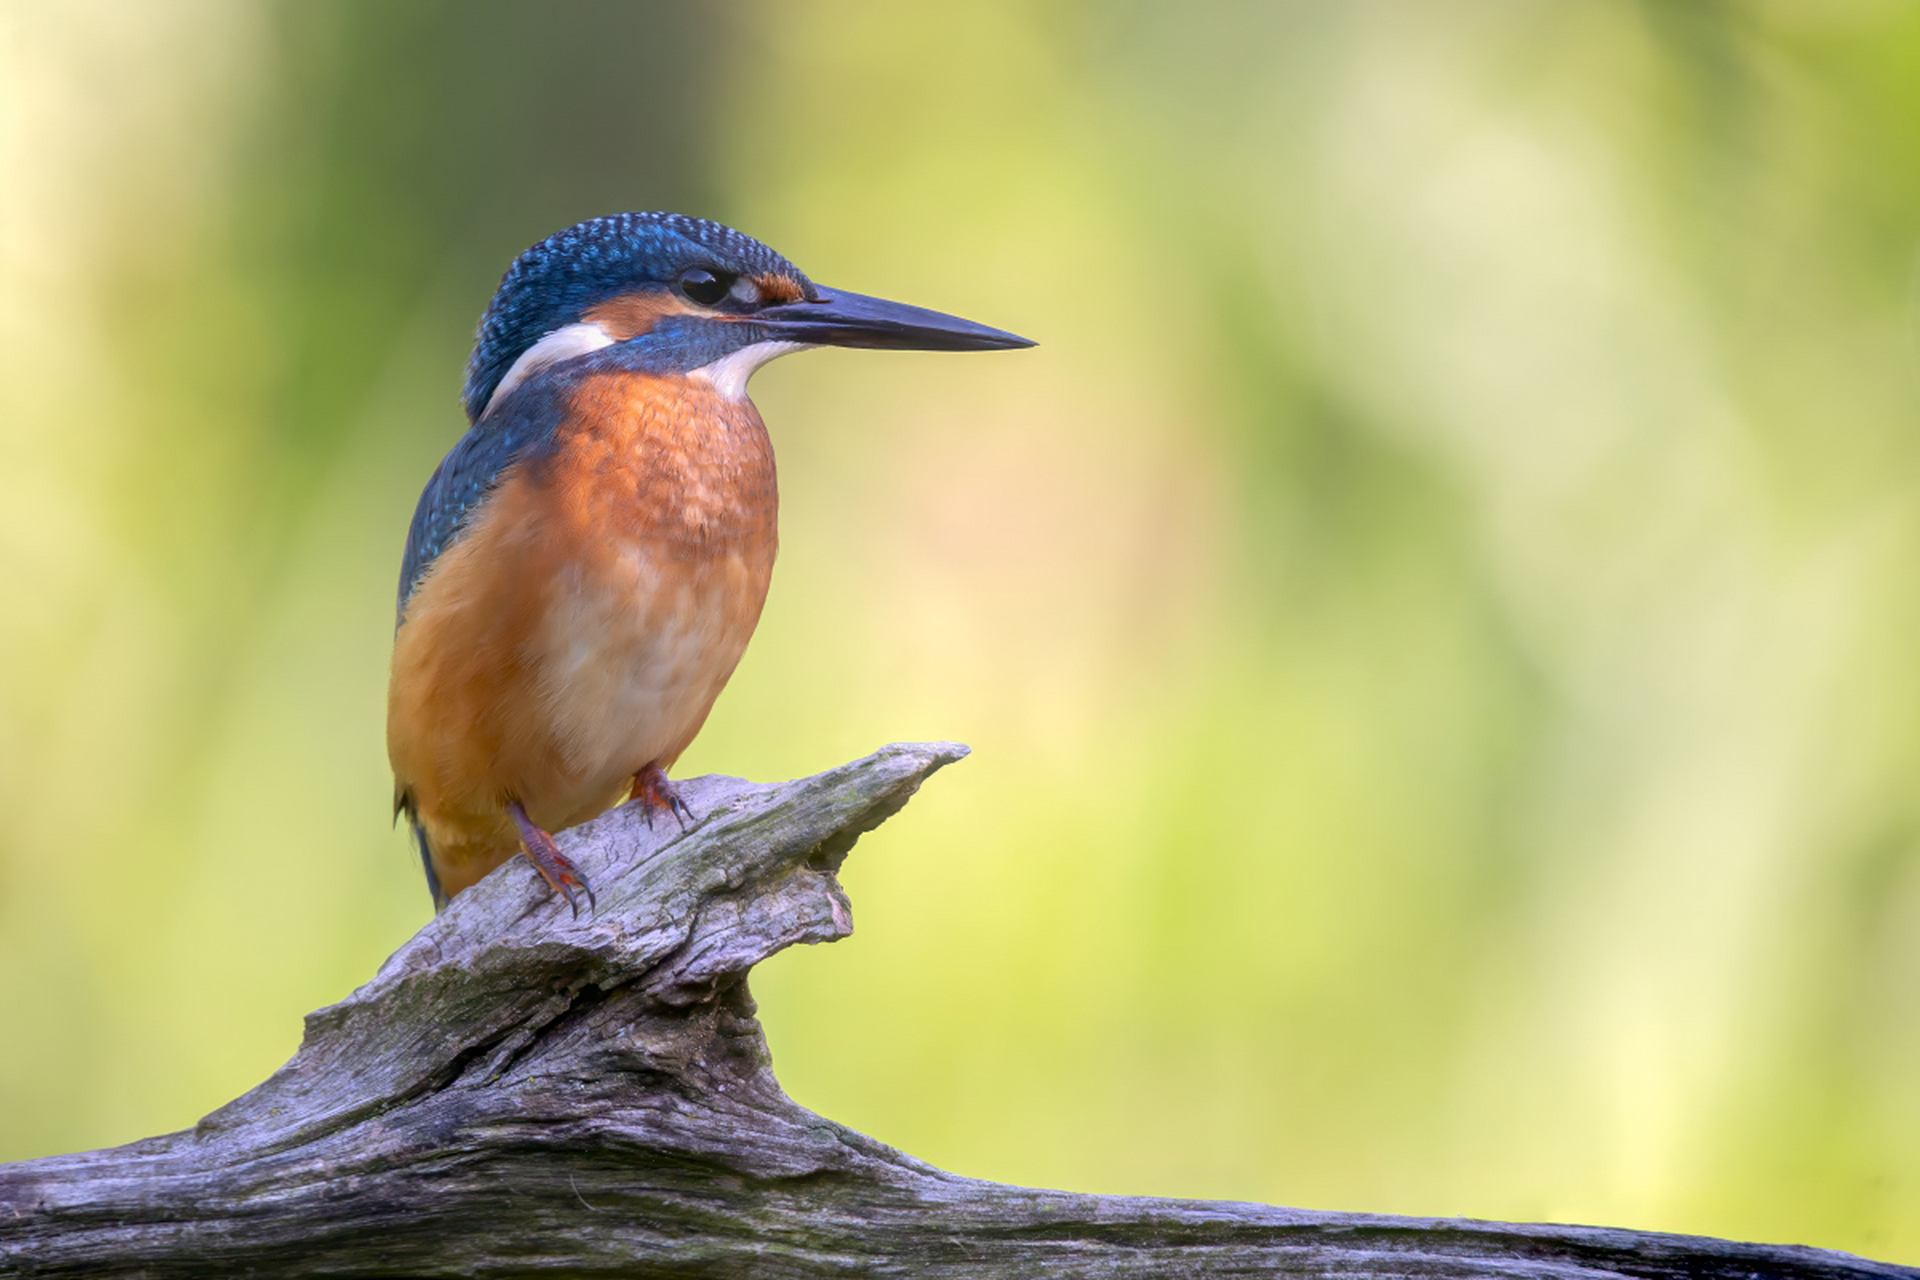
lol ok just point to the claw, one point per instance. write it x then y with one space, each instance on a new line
655 794
555 867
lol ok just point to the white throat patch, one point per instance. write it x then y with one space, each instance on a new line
730 372
562 344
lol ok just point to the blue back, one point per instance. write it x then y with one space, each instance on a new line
464 478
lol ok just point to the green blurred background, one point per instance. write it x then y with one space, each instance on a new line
1437 617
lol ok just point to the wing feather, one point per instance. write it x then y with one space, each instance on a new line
523 426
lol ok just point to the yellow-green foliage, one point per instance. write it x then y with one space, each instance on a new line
1436 618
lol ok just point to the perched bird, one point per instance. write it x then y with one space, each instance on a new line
587 564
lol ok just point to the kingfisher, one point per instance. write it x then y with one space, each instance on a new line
586 565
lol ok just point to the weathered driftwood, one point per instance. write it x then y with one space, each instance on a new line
522 1092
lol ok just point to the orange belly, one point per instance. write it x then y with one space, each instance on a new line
583 625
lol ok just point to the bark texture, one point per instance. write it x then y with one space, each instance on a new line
519 1092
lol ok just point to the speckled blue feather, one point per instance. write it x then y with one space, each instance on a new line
552 283
464 478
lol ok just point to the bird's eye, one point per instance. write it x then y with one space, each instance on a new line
705 287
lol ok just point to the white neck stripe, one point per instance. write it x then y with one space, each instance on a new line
730 372
562 344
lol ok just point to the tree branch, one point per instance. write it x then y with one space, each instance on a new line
519 1092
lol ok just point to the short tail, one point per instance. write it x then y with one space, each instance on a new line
403 803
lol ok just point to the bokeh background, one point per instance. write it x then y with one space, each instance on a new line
1437 618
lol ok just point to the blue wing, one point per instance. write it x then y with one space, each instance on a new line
524 425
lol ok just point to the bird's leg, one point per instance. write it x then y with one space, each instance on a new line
656 794
554 866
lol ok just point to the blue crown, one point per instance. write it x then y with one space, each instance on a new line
554 282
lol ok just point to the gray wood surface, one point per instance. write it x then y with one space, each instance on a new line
519 1092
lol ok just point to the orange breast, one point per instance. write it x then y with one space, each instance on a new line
583 626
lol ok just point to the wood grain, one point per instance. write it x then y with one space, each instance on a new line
519 1093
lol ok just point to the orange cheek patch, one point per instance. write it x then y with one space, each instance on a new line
778 289
632 314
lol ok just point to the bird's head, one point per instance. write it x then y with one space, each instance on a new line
681 295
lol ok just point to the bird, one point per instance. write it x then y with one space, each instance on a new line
586 565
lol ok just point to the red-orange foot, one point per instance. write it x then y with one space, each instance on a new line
657 795
555 867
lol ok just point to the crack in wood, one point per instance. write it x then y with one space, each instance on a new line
518 1092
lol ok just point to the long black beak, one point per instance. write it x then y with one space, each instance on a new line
838 319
